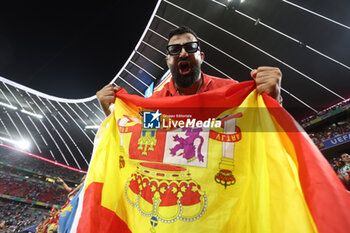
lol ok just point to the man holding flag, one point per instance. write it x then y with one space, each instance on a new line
250 169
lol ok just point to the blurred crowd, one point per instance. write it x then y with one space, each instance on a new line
329 132
41 167
17 216
4 169
29 189
342 105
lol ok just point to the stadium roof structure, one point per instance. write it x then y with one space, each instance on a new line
308 41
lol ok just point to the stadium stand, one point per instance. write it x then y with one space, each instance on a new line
330 131
28 190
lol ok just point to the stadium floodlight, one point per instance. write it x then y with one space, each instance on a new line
7 140
8 106
233 5
23 144
32 114
92 127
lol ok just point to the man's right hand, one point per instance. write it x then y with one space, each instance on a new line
106 97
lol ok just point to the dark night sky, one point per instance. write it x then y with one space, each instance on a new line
68 49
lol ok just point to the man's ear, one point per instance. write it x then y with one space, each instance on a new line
167 60
202 56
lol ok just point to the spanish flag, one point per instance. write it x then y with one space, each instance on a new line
228 160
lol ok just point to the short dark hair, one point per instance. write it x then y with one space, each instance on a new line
181 30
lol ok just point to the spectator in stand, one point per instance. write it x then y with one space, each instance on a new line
71 196
40 227
336 163
52 221
73 191
65 186
3 228
344 171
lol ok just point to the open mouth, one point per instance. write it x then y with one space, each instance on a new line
184 67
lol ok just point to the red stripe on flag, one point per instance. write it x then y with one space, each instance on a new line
326 196
93 213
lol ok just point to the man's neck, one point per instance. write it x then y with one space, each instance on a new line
192 89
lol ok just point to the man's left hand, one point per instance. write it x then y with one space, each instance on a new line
268 80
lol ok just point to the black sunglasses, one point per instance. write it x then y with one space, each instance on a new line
175 49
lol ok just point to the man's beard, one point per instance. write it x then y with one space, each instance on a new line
185 81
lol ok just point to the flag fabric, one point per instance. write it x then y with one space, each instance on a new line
67 214
149 90
228 160
30 229
164 80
